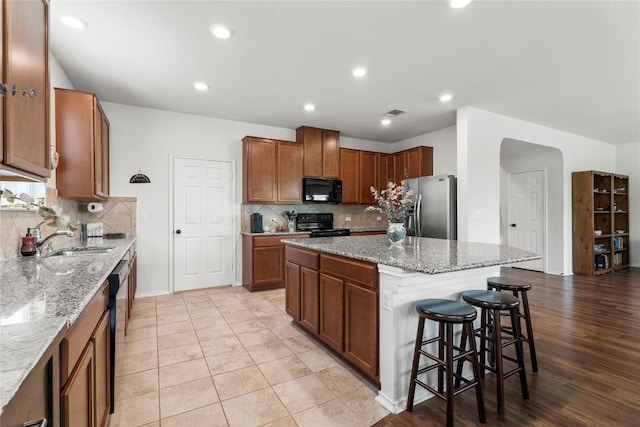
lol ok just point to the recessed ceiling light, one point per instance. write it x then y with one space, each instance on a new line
220 31
359 72
201 86
446 97
457 4
309 107
74 22
385 122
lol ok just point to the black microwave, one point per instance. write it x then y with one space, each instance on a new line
317 190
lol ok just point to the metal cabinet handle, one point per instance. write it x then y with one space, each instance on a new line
36 423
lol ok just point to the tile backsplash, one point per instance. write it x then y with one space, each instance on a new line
118 216
359 218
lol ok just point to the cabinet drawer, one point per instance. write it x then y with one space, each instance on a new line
302 257
259 242
76 339
359 271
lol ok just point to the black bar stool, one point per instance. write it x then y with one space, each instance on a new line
446 313
490 331
519 289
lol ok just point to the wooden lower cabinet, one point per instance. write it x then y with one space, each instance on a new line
335 299
263 265
331 311
309 297
292 291
85 368
77 397
361 327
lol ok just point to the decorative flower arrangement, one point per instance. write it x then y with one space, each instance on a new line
395 202
54 215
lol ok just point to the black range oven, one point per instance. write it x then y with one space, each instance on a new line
320 225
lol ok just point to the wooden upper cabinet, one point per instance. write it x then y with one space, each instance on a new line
82 139
399 165
321 151
259 170
330 153
349 173
289 172
419 161
368 175
25 65
385 172
272 171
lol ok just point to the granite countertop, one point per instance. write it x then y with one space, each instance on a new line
277 233
421 254
41 297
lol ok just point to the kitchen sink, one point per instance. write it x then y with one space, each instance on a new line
79 251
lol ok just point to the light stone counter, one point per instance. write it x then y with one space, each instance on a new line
420 268
41 297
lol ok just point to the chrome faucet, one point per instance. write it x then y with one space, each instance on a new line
67 233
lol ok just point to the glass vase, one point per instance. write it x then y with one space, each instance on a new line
396 233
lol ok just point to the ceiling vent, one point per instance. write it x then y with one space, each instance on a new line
394 113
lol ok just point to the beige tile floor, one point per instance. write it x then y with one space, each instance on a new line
228 357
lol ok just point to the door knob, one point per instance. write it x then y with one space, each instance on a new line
178 231
513 225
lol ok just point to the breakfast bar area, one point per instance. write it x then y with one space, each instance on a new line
357 296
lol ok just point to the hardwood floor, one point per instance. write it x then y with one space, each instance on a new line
587 333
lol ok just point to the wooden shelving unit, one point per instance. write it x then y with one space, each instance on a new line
600 222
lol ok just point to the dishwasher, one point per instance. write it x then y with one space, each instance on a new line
118 284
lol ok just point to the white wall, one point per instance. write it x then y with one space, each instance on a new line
628 163
518 156
479 135
443 142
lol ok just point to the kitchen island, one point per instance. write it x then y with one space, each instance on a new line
375 332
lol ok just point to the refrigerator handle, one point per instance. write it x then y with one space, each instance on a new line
417 211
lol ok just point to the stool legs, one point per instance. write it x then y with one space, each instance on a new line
414 366
529 337
515 320
445 366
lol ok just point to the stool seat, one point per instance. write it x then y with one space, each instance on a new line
444 310
490 300
507 284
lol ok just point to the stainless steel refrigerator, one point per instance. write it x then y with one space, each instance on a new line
434 212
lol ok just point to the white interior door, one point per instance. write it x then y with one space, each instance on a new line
202 218
526 215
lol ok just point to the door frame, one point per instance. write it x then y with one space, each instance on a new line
234 215
545 211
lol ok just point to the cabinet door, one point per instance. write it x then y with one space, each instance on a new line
260 157
77 396
292 289
2 81
399 164
26 120
360 327
368 176
100 340
349 175
311 139
267 265
420 162
105 154
310 288
384 171
331 154
331 311
289 172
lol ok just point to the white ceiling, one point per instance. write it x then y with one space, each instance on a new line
569 65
